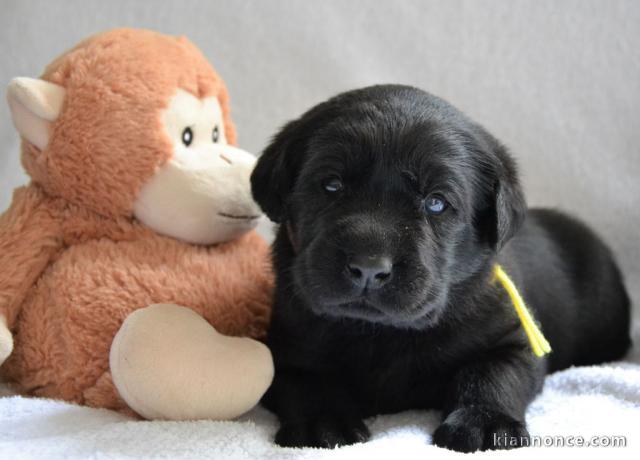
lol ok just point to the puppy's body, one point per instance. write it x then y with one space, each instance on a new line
571 282
430 329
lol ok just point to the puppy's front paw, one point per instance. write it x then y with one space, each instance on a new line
480 428
328 432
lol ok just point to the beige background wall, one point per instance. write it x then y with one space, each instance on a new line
558 81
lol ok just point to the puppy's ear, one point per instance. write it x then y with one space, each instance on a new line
274 175
511 207
507 207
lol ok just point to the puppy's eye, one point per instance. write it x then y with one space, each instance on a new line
332 184
216 134
187 136
435 204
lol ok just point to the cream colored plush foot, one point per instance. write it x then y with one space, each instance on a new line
6 340
168 362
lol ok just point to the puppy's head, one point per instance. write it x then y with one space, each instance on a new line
390 198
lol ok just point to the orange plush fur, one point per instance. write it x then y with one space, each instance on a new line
75 263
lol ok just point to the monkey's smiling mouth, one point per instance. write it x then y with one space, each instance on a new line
248 217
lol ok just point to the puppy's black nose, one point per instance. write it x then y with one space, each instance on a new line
369 271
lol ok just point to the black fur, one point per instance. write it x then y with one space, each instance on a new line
435 332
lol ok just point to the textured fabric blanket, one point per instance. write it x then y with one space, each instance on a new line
592 405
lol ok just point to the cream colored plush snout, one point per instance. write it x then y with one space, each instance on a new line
202 195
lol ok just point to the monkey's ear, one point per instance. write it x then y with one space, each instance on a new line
507 207
34 105
274 175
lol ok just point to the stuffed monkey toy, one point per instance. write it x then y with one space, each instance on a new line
130 274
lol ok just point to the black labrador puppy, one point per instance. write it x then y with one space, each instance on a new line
394 209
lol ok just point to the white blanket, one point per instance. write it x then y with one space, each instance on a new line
586 401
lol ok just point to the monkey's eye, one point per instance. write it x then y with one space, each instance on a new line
187 136
332 184
435 204
216 134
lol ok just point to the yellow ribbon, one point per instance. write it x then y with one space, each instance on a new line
539 344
